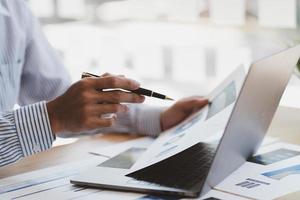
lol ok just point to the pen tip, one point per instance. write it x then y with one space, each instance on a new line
168 98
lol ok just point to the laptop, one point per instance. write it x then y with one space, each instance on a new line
181 161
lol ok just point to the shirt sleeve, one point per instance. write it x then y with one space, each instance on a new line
140 119
24 132
43 77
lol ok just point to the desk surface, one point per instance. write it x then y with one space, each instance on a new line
286 126
63 154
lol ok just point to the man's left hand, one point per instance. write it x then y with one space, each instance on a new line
180 111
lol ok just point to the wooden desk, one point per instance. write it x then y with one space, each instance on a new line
63 154
286 126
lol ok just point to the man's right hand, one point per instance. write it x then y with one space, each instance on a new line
83 105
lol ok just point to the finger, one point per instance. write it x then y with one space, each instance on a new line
119 97
110 82
100 109
194 103
201 102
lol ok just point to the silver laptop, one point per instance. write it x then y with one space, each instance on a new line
195 170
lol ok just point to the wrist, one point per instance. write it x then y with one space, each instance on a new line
162 121
54 121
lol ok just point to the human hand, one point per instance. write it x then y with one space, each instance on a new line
180 111
81 107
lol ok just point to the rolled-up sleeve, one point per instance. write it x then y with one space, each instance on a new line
145 119
140 119
23 132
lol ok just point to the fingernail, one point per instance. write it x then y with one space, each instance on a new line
141 99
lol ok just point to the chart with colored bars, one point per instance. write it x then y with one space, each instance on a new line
282 173
250 183
274 156
224 99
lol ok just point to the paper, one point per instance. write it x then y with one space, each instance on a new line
208 121
63 141
218 195
34 184
118 148
277 13
273 172
54 183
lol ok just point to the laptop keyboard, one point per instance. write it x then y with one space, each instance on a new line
183 170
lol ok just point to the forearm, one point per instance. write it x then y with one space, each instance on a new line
24 132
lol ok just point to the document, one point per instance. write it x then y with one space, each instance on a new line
211 120
54 182
218 195
273 172
63 141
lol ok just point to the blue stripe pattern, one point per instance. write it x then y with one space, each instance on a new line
31 73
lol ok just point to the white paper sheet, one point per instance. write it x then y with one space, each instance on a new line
54 182
197 127
64 141
267 181
218 195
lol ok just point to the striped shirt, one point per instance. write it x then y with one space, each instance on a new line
31 73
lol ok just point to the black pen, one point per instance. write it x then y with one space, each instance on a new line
140 91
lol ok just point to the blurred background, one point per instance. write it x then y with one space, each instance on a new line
177 47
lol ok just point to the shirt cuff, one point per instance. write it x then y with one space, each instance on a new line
148 120
33 128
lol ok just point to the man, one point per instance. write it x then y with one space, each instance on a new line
32 75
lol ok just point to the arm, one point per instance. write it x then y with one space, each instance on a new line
42 65
27 130
24 132
149 120
44 76
140 119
